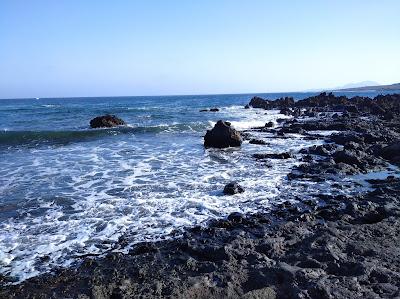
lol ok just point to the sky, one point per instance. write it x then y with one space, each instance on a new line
122 48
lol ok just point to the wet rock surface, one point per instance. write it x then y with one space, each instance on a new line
329 246
233 188
106 121
273 156
222 135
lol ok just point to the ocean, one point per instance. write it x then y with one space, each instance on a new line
67 190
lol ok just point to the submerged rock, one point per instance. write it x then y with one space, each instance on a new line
258 141
269 124
106 121
273 156
209 110
222 135
233 188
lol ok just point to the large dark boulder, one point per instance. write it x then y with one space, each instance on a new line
222 135
269 124
257 102
392 152
233 188
348 157
106 121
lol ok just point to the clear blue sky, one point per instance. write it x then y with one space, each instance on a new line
103 48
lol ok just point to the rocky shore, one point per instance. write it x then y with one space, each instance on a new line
330 246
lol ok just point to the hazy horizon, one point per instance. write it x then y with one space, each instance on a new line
92 49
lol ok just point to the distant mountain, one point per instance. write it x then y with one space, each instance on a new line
375 87
358 84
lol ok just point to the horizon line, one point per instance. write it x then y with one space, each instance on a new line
161 95
204 94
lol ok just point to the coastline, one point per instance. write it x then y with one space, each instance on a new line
336 246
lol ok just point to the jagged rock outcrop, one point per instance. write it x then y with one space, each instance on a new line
386 106
106 121
222 135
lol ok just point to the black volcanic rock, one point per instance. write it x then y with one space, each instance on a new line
257 102
209 110
106 121
269 124
386 106
320 150
392 152
352 109
273 156
286 111
222 135
258 141
233 188
348 157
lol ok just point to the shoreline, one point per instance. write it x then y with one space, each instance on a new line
330 247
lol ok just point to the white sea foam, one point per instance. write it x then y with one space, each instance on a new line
50 106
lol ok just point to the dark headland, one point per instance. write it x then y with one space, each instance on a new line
330 246
379 88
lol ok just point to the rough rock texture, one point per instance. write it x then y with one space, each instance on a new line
257 102
222 135
106 121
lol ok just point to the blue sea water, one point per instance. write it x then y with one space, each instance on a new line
67 190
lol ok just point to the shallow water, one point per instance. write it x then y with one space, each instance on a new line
67 190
